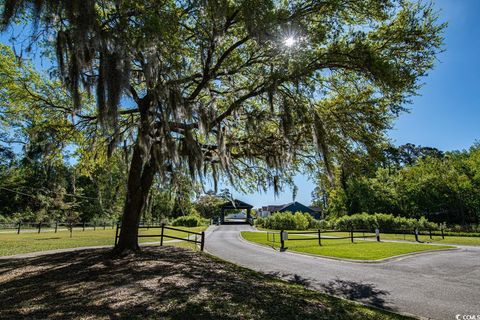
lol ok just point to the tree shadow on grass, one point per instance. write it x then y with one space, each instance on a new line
292 278
157 283
352 290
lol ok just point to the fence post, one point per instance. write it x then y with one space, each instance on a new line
282 241
39 227
202 244
116 235
319 238
377 233
161 236
83 226
56 226
416 234
443 237
351 235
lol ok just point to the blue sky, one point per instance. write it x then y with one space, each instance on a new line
445 115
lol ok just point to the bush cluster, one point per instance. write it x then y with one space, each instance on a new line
288 221
6 219
385 222
304 221
463 229
188 221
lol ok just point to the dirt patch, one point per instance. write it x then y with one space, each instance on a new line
157 283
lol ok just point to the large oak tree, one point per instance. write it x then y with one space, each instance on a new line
241 89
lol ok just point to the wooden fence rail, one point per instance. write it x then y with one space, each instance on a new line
416 232
53 226
282 236
285 236
162 234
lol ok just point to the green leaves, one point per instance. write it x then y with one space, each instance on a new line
422 182
217 91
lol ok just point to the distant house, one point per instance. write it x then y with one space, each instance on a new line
265 211
318 211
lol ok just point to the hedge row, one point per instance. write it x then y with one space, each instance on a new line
189 221
361 221
385 222
290 221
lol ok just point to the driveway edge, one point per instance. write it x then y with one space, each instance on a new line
384 260
406 314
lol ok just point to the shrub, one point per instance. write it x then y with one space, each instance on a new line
280 220
463 228
359 221
385 222
356 221
423 223
260 222
319 224
289 221
188 221
302 222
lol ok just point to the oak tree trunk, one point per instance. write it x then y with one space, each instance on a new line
140 179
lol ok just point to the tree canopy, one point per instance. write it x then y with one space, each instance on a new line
252 90
443 187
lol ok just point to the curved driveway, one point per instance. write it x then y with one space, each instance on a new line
436 285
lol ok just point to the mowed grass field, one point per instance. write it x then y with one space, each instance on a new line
343 248
437 239
12 243
471 241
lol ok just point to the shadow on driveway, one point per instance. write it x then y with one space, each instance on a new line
352 290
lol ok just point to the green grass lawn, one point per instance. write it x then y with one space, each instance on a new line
424 238
343 248
12 243
473 241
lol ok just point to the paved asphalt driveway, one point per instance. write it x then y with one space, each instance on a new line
433 285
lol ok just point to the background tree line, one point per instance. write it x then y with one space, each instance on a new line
409 181
31 190
52 169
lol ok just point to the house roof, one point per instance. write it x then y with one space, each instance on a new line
272 208
316 208
284 207
236 204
